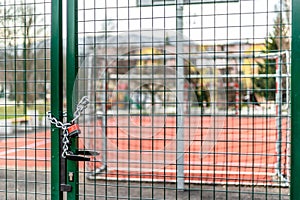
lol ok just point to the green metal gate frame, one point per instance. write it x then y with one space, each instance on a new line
63 166
72 68
295 98
57 97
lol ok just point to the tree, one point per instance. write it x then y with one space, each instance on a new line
24 63
266 86
277 41
6 43
282 26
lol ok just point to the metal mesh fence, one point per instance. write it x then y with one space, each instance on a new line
187 100
24 93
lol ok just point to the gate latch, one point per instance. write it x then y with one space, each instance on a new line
72 130
80 155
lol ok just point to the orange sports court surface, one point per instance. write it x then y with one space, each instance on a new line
240 150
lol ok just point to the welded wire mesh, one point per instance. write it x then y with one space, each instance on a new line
24 95
187 101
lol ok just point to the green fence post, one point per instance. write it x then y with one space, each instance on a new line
56 96
72 67
295 136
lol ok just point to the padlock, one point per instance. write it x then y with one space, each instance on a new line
73 130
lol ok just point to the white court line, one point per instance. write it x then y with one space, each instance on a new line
147 170
195 163
238 182
26 158
25 147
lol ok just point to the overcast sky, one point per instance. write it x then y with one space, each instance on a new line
247 20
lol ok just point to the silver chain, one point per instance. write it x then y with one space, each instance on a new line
65 141
81 106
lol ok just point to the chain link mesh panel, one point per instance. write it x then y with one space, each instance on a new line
24 99
187 100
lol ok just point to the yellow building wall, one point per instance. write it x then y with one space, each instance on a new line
249 66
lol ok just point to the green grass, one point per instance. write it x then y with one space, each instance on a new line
15 111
